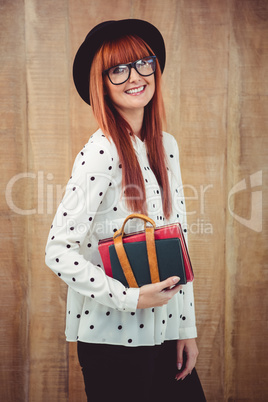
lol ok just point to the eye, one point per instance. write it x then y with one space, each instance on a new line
146 66
121 69
142 63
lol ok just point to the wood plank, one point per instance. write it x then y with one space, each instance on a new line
13 243
246 243
48 159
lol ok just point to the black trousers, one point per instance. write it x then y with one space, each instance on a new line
144 373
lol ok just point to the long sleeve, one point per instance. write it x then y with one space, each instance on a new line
93 174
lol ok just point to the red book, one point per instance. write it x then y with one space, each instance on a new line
163 232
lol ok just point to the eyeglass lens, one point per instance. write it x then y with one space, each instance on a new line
121 73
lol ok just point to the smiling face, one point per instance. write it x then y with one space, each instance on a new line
132 95
137 95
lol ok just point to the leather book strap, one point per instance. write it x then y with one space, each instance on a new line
150 246
124 262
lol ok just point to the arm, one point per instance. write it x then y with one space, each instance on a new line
73 225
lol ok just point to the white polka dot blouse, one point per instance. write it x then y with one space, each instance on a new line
99 308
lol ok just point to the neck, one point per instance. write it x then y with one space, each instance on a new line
134 119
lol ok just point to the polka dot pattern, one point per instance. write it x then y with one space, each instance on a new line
93 208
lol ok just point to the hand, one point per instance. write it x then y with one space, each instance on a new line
158 294
189 347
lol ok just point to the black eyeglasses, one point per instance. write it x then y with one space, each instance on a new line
121 73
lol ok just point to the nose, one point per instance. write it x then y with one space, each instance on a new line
134 76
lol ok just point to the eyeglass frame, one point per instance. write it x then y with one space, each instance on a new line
130 66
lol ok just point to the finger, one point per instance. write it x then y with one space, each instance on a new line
180 348
169 282
186 371
190 364
172 290
182 375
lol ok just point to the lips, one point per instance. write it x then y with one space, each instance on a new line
136 91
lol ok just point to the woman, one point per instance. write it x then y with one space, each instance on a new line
132 342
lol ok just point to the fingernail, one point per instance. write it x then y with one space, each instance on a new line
176 279
179 366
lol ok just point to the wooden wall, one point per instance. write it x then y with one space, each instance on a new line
215 89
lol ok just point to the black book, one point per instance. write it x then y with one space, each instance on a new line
169 258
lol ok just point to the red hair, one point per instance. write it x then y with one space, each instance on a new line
114 126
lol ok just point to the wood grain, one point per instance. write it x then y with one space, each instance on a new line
215 91
246 253
201 136
13 239
48 157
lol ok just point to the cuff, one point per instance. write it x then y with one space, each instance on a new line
131 300
188 333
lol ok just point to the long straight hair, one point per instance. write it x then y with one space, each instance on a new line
114 126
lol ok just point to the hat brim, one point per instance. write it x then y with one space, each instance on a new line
113 30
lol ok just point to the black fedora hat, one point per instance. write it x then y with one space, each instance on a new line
113 30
